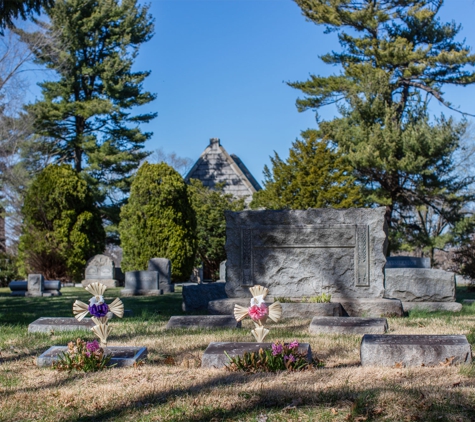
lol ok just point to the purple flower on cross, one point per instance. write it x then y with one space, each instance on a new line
98 310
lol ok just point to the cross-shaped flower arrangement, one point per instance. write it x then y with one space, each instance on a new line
259 312
98 310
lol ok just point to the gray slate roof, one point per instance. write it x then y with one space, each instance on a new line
215 166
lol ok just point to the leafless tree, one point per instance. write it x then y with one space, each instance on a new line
181 164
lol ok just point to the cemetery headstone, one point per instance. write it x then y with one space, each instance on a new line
414 350
164 268
214 357
121 355
47 325
196 297
222 271
203 321
100 269
407 262
36 285
348 325
138 283
298 253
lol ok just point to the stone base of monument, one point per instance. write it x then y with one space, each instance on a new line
130 292
203 321
289 310
414 350
121 355
108 282
214 357
371 307
432 306
348 325
46 325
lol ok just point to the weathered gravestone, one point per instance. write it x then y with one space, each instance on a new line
214 357
222 271
164 268
348 325
141 283
47 325
100 269
203 321
121 356
35 285
407 262
297 253
414 350
196 297
50 288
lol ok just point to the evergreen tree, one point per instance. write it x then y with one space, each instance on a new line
86 113
209 206
314 176
62 228
158 221
394 53
14 9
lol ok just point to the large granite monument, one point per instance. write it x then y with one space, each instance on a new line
298 253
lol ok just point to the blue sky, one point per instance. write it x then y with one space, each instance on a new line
219 69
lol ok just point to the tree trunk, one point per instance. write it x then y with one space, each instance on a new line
3 239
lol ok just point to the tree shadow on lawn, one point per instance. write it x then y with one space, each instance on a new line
358 402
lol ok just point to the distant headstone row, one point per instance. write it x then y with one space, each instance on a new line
36 286
153 282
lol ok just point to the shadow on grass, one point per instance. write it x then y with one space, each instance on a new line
362 402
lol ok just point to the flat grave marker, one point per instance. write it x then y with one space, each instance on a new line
414 350
203 321
121 355
348 325
48 324
214 357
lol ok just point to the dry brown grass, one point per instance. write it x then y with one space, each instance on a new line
170 386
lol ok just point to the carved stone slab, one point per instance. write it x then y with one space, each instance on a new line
100 268
214 357
141 283
164 268
197 296
432 306
299 253
48 324
203 321
414 350
407 262
36 285
419 285
121 355
348 325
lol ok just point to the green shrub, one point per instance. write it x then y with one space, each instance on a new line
158 222
209 206
8 270
280 357
62 227
82 356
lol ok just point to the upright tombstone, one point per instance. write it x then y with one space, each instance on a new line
164 268
297 253
100 269
36 285
222 271
141 283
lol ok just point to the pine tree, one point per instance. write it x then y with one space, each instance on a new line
396 56
62 227
87 112
158 221
314 176
14 9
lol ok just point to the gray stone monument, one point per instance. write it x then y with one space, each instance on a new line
100 269
222 271
36 285
349 325
297 253
414 350
141 283
203 322
164 268
407 262
46 325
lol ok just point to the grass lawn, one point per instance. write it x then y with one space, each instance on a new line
171 386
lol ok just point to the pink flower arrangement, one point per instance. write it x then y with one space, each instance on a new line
257 312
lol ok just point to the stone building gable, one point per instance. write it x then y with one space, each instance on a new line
215 166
